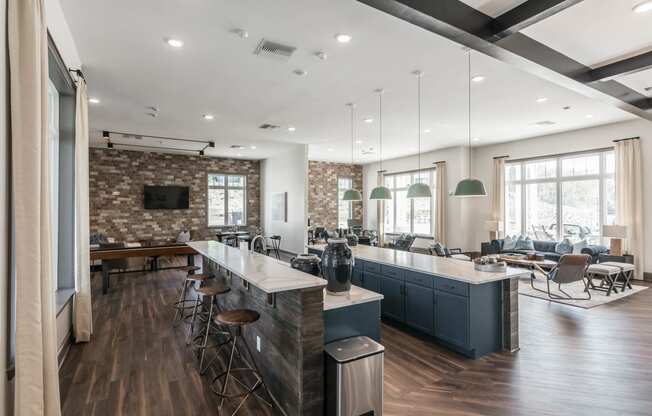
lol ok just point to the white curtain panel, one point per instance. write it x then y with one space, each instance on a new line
629 199
380 212
440 203
498 193
83 319
5 215
37 378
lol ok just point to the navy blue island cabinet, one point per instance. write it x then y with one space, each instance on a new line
464 317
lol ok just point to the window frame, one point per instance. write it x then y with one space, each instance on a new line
431 172
339 201
226 188
558 180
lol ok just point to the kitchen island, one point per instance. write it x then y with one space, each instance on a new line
444 299
296 318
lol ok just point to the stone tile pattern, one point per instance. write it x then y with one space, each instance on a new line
117 180
322 197
510 315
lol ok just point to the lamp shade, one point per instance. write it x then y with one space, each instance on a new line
614 231
380 192
352 195
419 190
470 188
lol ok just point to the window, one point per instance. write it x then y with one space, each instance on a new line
344 208
53 136
567 196
227 198
403 215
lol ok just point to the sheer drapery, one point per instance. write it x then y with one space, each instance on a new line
629 199
37 378
83 321
441 196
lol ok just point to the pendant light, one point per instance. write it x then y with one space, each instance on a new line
470 187
351 194
418 189
380 192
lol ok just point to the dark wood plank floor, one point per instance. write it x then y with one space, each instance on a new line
572 362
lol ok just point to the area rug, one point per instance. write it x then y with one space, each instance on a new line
575 290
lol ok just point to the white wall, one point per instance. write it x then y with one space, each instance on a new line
578 140
60 32
456 165
287 172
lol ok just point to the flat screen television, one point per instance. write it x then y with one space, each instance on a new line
167 197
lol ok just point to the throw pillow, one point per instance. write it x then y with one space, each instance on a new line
509 243
564 247
577 247
525 244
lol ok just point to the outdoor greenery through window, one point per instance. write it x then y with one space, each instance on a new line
403 215
569 196
344 208
227 196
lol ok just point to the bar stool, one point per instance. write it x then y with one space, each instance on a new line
200 341
236 319
182 304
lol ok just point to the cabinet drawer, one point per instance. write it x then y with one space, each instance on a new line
420 279
371 267
393 272
452 286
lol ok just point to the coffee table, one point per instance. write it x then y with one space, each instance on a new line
521 260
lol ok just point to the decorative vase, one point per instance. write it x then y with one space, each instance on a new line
337 266
352 239
308 263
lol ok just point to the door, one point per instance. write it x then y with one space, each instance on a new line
419 308
452 318
371 282
393 305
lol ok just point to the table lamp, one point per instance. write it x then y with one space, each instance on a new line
616 233
493 226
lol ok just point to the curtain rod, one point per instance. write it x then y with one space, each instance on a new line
439 161
501 157
78 72
627 138
579 152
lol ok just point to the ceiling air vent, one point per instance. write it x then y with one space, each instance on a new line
267 126
545 123
267 48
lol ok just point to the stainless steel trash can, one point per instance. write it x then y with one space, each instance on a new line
354 377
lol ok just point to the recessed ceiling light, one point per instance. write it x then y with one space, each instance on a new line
646 6
292 128
239 154
476 139
368 120
208 116
542 100
175 43
300 72
358 142
343 38
589 116
241 33
93 100
427 131
477 78
253 147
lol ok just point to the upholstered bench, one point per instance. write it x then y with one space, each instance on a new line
626 273
606 273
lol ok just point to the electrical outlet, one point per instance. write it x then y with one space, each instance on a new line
258 343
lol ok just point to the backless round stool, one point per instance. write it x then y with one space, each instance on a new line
237 319
207 301
184 304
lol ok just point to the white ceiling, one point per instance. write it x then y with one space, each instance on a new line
129 67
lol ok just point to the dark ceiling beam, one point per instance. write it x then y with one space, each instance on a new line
526 14
623 67
469 27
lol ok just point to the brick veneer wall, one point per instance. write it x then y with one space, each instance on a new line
322 197
116 188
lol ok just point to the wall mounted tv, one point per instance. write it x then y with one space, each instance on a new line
167 197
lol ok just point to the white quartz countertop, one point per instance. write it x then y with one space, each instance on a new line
355 296
440 266
266 273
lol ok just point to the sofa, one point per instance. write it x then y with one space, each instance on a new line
547 250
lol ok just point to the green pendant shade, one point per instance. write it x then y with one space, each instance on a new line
352 195
381 192
419 190
470 188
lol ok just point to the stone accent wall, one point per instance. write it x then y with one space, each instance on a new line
322 188
116 188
